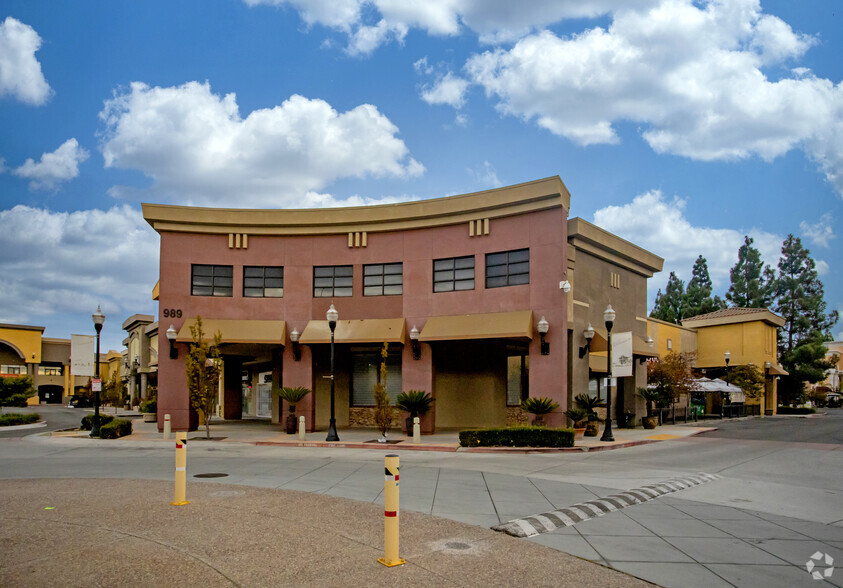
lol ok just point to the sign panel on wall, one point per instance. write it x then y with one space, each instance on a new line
622 354
82 355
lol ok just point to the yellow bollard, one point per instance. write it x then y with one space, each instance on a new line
390 513
302 430
167 427
416 430
181 469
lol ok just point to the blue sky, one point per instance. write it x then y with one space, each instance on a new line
680 126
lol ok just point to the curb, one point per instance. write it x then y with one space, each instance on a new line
35 425
398 446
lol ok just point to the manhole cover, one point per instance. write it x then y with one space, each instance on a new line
227 493
387 442
456 545
210 475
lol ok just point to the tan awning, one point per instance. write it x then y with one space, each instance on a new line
597 363
355 331
494 325
599 342
777 371
641 347
237 331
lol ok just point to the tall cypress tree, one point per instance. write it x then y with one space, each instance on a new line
668 306
802 304
753 285
697 299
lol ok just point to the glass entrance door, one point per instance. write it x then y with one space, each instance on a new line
264 399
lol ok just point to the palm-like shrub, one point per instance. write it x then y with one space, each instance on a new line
588 404
416 402
650 397
539 406
577 415
293 395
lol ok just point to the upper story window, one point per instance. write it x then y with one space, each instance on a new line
13 370
48 370
508 268
453 273
263 281
331 281
211 280
383 279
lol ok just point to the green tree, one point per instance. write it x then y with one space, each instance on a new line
113 389
383 410
801 298
805 363
748 378
668 306
671 375
15 391
202 366
753 284
698 299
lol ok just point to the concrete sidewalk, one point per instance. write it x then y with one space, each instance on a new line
125 533
263 432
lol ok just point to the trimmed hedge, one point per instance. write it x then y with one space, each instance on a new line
18 418
88 421
116 428
800 410
148 406
518 437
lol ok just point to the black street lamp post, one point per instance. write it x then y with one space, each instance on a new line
99 319
332 315
609 319
727 356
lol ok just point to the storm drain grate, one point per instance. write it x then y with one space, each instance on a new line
210 475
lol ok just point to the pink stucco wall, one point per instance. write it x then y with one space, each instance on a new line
544 233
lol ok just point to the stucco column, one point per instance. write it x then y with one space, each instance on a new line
300 373
143 385
417 374
132 389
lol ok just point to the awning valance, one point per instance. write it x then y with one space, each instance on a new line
641 347
355 331
598 363
494 325
599 342
237 331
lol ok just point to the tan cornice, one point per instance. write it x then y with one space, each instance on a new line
602 244
661 322
543 194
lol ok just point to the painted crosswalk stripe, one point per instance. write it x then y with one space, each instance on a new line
584 511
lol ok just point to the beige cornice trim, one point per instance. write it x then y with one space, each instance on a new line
602 244
768 317
661 322
533 196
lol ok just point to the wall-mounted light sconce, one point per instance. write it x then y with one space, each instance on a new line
565 286
171 336
414 341
294 337
542 328
767 366
589 335
649 341
136 362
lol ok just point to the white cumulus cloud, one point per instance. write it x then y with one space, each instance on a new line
448 89
57 263
20 72
821 232
658 225
691 74
59 166
198 149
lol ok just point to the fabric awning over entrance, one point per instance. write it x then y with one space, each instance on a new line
598 363
355 331
237 331
777 371
599 343
493 325
641 347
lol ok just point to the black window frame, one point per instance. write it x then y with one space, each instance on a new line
321 291
217 276
510 268
250 282
371 276
441 270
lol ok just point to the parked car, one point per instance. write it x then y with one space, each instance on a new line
79 402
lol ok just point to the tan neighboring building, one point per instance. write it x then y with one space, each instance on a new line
24 351
140 360
604 269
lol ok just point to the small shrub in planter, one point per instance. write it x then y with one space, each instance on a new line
415 402
518 437
798 410
149 406
538 406
88 421
18 418
116 428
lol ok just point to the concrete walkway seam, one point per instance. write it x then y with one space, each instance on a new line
583 511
